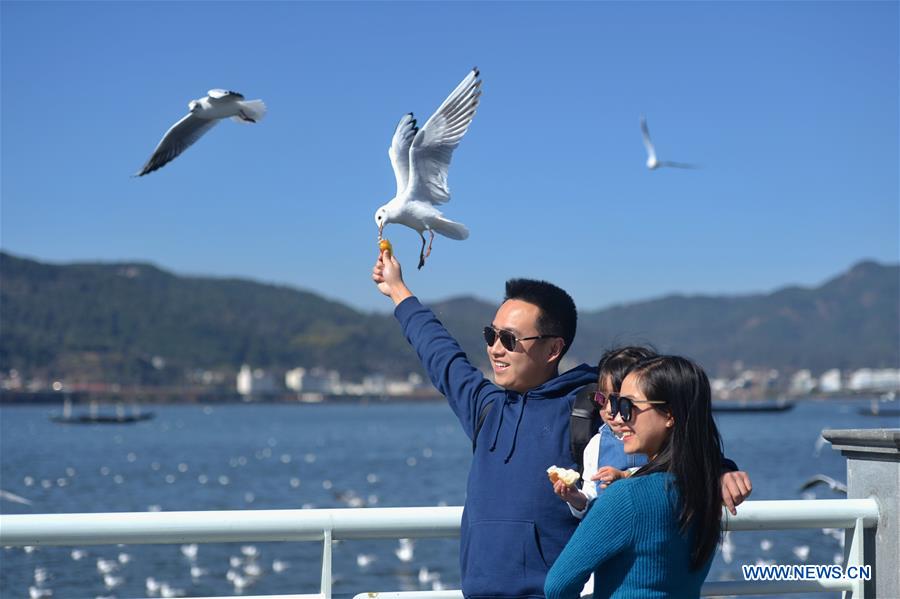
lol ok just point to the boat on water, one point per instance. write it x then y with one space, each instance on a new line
747 405
94 416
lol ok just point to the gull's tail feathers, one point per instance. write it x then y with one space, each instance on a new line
252 111
450 229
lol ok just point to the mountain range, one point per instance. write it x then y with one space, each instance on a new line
135 323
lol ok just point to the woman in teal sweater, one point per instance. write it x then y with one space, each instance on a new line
654 534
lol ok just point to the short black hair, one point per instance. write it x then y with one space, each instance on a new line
558 315
615 363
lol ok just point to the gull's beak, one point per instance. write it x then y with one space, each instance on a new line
380 229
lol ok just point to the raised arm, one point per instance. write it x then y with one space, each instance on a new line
448 367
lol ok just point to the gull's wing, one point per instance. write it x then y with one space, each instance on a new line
218 94
14 498
645 133
678 164
177 139
433 145
399 150
821 478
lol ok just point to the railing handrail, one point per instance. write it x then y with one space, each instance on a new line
228 526
328 525
356 523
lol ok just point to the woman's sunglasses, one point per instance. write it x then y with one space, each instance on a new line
507 338
624 405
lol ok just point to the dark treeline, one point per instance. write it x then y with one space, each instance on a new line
135 323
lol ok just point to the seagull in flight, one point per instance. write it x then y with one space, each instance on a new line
204 114
652 162
7 496
834 485
421 158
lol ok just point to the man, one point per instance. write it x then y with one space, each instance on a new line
513 525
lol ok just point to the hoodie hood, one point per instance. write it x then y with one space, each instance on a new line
565 383
555 388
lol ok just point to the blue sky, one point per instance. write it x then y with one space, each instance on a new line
790 108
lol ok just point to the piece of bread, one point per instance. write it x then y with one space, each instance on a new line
570 477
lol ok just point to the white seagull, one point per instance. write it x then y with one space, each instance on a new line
7 496
652 162
421 158
834 485
204 114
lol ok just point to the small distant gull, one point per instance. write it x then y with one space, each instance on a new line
727 547
834 485
364 559
204 114
652 162
802 552
165 590
421 159
189 551
279 566
152 585
39 593
107 566
405 551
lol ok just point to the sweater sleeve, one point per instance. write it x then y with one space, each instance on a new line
590 458
605 532
448 367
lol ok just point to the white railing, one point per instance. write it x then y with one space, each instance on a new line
328 525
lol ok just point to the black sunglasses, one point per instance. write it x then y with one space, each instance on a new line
624 405
508 339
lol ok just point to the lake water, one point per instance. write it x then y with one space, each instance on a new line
265 456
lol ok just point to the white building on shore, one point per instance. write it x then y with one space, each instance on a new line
313 380
874 379
255 382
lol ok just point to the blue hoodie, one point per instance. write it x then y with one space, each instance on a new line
513 525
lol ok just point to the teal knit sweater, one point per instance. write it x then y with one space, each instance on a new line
630 541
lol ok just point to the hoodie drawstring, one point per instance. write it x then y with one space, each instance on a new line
499 423
512 446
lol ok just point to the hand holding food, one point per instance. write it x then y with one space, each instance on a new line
385 246
569 477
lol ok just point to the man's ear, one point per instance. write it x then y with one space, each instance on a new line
556 349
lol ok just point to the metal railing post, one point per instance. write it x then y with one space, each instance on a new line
854 555
326 564
873 470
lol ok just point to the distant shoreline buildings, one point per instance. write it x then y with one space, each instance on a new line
319 384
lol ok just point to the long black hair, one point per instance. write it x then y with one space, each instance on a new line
692 452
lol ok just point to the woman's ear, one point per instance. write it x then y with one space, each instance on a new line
670 421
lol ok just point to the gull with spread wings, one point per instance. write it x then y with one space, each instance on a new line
652 162
421 158
204 114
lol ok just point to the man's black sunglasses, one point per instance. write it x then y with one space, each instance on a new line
508 339
624 405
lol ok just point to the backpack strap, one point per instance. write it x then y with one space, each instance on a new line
583 423
481 416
